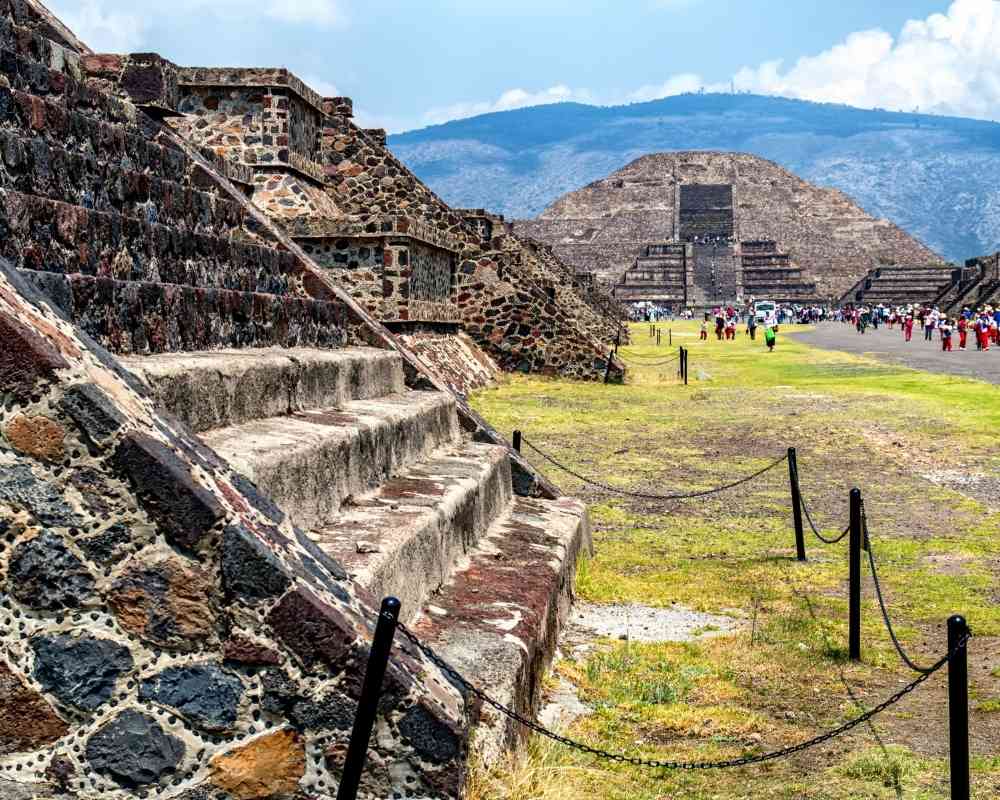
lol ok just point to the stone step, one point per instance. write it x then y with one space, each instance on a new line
137 317
311 462
498 618
404 538
107 244
33 166
222 388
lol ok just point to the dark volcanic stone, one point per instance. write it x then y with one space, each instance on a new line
90 408
134 750
104 546
25 358
430 737
44 574
205 695
21 489
249 568
79 671
185 511
283 697
318 556
313 630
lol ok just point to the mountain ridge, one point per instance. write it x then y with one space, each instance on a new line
937 177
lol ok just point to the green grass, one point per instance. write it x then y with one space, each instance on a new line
854 422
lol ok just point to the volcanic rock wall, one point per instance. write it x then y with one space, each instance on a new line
166 630
604 226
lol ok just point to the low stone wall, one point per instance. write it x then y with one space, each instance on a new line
455 357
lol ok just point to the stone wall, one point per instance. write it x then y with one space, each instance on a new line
167 631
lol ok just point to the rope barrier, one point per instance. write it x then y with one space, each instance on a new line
678 765
642 356
881 600
671 360
646 496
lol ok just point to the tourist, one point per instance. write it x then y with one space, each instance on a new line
770 337
731 328
908 328
945 328
704 332
929 323
752 326
963 331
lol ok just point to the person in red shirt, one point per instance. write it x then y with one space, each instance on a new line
963 332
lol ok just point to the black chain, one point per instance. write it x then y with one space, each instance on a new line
815 530
881 600
681 765
670 360
643 495
643 356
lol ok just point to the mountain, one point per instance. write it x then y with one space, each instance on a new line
936 177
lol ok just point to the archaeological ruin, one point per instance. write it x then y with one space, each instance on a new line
694 229
237 335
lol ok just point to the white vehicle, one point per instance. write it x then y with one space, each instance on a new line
764 310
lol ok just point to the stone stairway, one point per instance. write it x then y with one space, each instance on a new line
385 483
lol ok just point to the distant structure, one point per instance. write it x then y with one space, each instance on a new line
696 228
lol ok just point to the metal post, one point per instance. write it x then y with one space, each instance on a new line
793 480
364 718
517 441
686 366
958 708
657 337
670 336
854 642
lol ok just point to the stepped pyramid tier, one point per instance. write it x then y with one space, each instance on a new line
425 270
724 198
214 460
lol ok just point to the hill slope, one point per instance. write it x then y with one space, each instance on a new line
936 177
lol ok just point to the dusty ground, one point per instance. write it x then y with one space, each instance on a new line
922 447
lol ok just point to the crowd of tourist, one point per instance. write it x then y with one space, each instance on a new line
981 326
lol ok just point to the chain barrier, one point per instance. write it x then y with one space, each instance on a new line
881 600
678 765
644 356
815 530
646 496
671 360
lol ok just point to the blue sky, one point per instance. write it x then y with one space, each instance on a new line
409 64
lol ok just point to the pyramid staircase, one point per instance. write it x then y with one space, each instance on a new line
159 258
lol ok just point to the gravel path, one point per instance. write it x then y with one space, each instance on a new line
889 346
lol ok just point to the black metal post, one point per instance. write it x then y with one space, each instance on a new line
657 337
958 708
793 480
670 336
517 441
854 641
364 718
686 366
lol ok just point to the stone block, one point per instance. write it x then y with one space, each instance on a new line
166 600
79 671
205 695
134 750
185 511
20 488
250 569
36 436
25 359
313 630
93 411
270 766
44 574
27 720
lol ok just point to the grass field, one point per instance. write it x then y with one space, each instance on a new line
906 438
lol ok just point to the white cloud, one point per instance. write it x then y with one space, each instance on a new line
678 84
320 85
101 28
120 26
947 63
507 101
